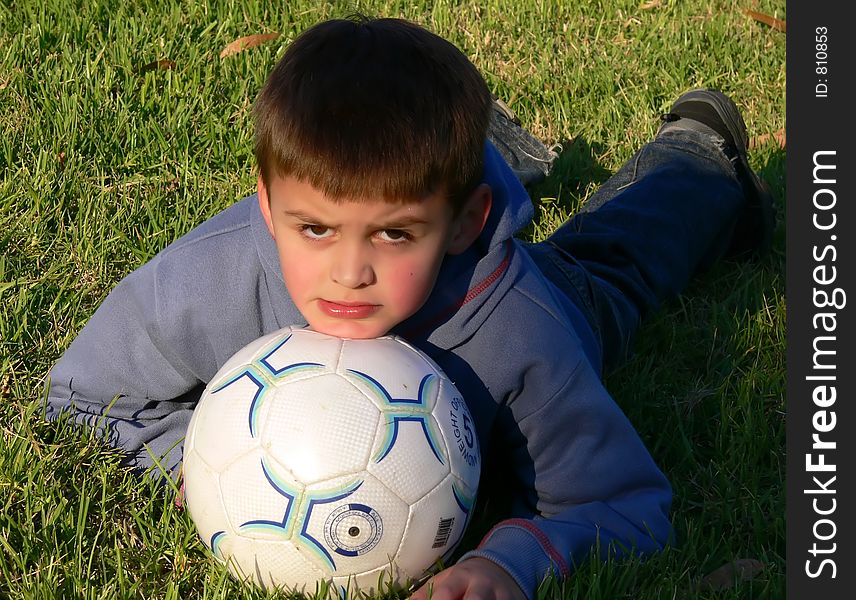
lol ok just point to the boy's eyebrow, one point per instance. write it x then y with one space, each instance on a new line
394 223
300 215
404 221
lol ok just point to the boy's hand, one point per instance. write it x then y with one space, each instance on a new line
179 497
472 579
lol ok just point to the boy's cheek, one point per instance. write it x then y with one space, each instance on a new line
299 270
412 286
297 286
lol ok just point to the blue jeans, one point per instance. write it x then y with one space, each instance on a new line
666 215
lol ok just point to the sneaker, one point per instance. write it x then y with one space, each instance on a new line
711 111
527 156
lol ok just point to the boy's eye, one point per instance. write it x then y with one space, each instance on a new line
316 232
394 235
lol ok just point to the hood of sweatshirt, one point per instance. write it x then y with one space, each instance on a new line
468 285
472 283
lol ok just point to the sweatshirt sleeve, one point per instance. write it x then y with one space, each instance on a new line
584 480
121 376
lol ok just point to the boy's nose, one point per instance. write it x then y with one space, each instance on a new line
352 269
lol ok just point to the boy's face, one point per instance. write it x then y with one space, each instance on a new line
356 269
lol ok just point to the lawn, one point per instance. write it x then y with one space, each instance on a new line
123 127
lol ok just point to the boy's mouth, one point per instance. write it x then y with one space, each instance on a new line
347 310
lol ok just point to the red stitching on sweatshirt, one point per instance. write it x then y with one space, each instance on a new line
487 281
542 538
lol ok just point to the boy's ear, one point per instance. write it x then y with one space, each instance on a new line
468 225
264 204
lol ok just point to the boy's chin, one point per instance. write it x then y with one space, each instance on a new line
350 329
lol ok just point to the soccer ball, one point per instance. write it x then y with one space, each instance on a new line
313 462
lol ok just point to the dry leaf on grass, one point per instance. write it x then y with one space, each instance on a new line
777 136
729 574
650 4
163 64
773 22
246 42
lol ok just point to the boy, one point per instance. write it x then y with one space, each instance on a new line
382 208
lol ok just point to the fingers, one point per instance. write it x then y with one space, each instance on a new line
473 579
443 586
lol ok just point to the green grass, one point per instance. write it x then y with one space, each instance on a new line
104 162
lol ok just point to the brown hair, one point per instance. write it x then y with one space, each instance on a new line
363 107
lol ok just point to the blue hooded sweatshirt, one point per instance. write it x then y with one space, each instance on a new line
566 462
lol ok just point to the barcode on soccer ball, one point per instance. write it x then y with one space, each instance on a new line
444 530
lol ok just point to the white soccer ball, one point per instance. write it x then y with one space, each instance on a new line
312 459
